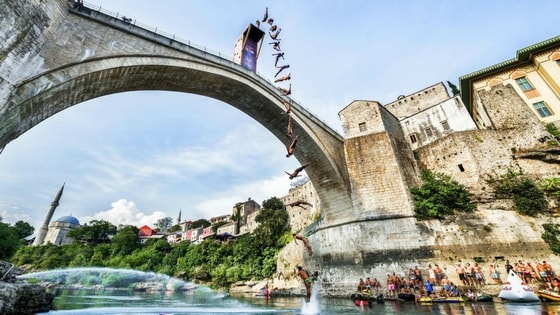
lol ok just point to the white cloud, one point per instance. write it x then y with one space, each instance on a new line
259 191
124 212
11 214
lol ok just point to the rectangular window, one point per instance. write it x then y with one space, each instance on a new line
413 138
362 126
429 132
543 110
445 125
524 84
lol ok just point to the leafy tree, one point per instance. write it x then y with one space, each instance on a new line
125 242
439 196
97 232
79 261
23 229
273 222
164 224
9 241
201 223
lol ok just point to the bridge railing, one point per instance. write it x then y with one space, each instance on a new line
154 30
178 39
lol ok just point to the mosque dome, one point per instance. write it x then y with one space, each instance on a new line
68 219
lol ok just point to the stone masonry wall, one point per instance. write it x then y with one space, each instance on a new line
409 105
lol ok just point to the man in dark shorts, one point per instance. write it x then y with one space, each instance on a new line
307 280
461 272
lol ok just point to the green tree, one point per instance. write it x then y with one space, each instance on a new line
273 222
79 261
97 232
164 224
23 229
439 196
125 241
9 241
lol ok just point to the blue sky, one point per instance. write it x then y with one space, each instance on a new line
132 158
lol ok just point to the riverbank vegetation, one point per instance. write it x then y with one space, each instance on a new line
219 264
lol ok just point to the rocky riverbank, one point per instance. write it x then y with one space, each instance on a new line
24 298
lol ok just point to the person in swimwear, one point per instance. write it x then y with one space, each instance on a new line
307 280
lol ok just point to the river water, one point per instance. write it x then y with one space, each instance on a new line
103 291
205 301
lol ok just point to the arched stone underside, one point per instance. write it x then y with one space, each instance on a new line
50 92
58 56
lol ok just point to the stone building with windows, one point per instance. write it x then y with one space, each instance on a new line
534 74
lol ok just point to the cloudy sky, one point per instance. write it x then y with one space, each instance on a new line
133 158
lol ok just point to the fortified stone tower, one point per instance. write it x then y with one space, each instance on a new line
379 161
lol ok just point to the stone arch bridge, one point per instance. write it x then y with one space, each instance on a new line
54 56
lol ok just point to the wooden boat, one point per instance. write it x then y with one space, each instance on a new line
516 291
547 295
446 299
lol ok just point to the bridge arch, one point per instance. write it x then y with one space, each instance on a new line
71 82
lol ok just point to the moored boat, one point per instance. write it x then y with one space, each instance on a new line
547 295
516 291
444 299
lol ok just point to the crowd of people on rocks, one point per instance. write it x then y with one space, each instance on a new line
433 281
